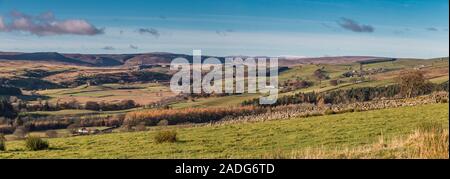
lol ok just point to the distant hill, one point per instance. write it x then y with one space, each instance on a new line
73 59
289 61
42 56
160 58
103 60
154 58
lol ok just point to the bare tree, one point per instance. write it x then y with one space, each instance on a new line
51 134
413 83
320 75
20 132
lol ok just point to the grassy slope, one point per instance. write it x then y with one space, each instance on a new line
247 140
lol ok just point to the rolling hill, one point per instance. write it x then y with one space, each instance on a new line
43 56
107 60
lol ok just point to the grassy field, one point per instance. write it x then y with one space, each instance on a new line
251 140
141 93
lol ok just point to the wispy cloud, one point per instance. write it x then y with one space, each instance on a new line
46 24
401 31
432 29
150 31
109 48
224 33
329 26
352 25
134 47
398 32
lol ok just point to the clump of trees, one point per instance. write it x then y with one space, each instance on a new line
413 83
442 87
102 106
292 85
320 75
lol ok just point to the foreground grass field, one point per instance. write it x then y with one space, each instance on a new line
271 139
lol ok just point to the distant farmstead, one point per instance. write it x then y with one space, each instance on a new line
87 131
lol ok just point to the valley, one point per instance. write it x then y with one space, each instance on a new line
329 105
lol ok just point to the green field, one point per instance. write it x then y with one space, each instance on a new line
143 94
248 140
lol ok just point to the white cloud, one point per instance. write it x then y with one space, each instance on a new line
46 25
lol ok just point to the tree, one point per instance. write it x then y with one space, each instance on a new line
320 75
2 137
92 105
141 127
72 128
18 122
51 134
6 109
334 82
413 83
73 104
46 106
127 104
20 132
2 142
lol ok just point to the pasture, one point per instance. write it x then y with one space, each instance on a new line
291 138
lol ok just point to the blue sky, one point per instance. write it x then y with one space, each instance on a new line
396 28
